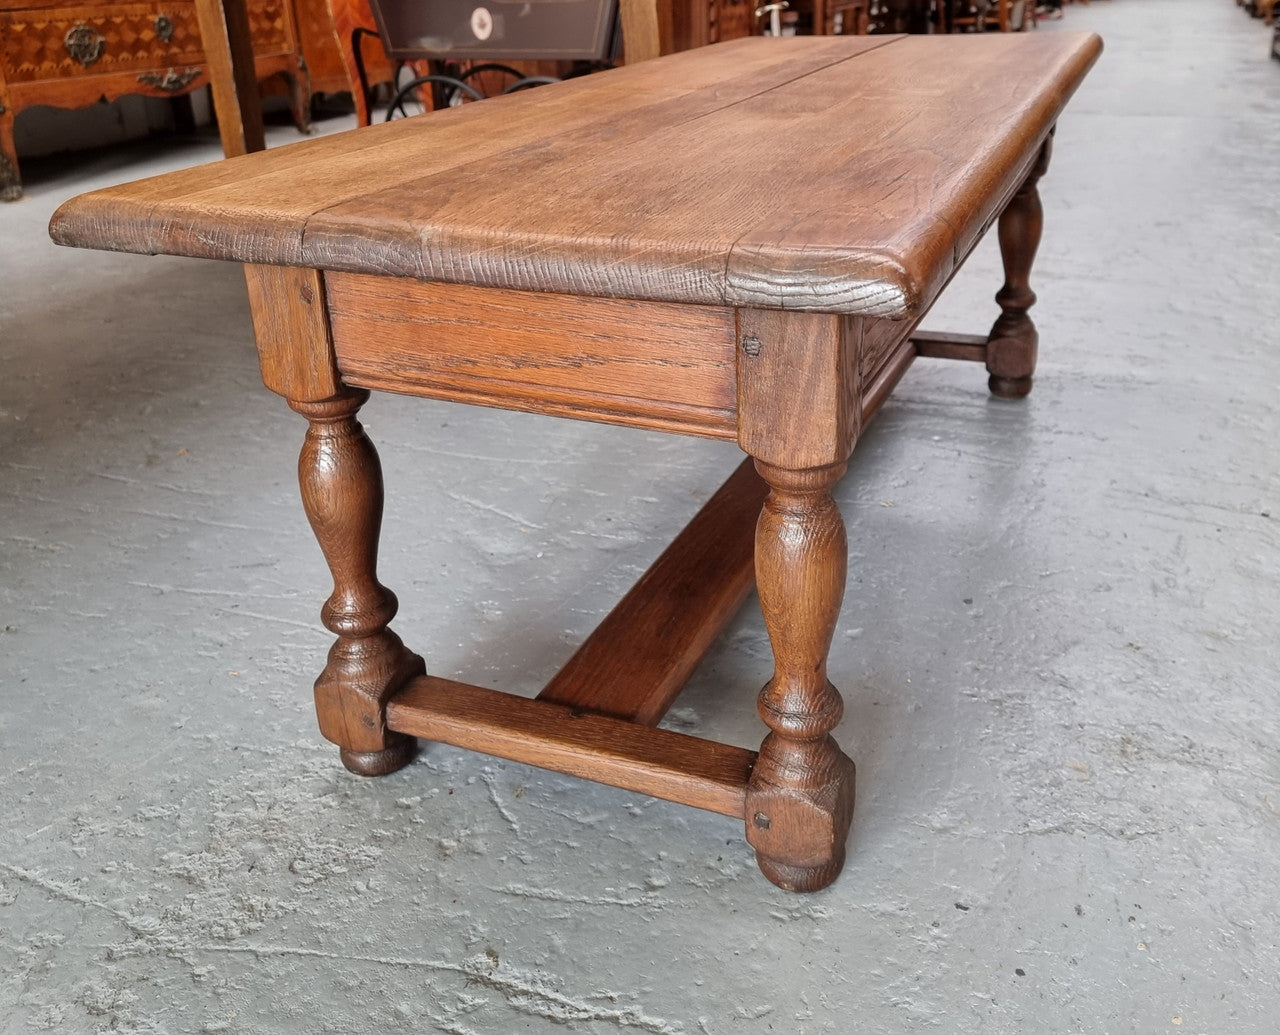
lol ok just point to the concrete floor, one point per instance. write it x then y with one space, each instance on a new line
1057 650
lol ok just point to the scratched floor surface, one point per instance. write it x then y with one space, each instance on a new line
1057 651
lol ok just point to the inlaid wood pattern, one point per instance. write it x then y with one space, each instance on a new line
34 48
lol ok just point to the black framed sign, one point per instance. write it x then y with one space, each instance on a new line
512 29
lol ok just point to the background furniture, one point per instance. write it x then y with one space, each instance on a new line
320 49
228 46
695 23
841 17
649 28
985 15
71 55
366 64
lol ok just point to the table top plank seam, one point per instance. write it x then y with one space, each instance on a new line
122 213
410 261
820 190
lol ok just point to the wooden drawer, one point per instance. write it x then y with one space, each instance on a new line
43 43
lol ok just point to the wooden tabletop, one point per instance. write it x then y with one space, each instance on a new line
826 174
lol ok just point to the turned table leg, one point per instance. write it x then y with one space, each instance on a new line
800 797
341 481
1011 345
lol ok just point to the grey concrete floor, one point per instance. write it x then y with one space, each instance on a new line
1057 650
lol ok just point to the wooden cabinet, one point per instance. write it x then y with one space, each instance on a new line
695 23
320 50
73 55
685 24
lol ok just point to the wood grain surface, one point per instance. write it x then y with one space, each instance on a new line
799 389
291 326
341 482
827 174
643 364
668 765
801 793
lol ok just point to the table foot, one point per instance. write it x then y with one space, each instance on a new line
1013 341
799 808
801 793
1009 387
341 481
380 763
801 878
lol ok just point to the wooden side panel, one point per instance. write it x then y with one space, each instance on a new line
639 363
879 340
878 389
319 44
672 766
289 322
344 17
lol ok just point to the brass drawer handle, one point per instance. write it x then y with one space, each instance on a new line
171 80
84 44
164 28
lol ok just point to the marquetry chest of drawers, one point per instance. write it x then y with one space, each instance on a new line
71 55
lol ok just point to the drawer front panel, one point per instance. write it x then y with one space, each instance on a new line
99 39
57 42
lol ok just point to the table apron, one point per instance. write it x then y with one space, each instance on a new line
643 364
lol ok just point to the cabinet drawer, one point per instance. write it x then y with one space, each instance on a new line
98 39
57 42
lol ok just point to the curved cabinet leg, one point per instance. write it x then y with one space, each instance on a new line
800 796
10 181
299 82
1012 343
341 481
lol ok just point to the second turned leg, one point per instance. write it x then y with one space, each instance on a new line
1013 341
341 482
800 797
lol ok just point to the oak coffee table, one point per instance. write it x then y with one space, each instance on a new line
737 242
